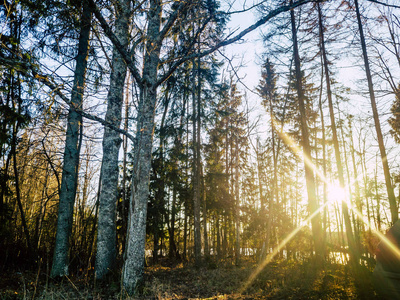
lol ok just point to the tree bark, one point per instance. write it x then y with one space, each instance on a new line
106 232
196 177
385 165
71 152
133 268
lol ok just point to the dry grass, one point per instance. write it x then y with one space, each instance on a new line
279 280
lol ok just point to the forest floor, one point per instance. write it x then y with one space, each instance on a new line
167 280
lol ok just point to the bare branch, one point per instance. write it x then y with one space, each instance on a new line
237 37
56 89
110 34
385 4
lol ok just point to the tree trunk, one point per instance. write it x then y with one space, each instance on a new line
309 172
324 161
133 268
17 188
349 231
388 182
106 232
237 210
359 224
71 152
196 178
173 252
124 203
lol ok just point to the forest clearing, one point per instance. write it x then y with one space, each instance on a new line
204 149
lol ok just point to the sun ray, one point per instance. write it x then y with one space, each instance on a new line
270 256
342 198
297 151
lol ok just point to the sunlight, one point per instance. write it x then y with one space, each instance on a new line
297 151
381 236
336 193
270 256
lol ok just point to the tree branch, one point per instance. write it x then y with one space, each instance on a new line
56 89
172 18
237 37
110 34
385 4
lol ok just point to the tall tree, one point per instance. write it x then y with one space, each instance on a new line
305 141
132 273
339 166
148 81
385 164
72 148
106 232
268 91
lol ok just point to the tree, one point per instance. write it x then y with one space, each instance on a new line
148 82
14 112
349 231
394 121
268 92
106 233
385 165
309 172
72 149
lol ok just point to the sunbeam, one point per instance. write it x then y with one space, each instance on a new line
270 256
337 194
297 151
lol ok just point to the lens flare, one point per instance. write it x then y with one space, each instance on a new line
336 193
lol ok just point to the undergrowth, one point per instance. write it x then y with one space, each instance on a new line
280 279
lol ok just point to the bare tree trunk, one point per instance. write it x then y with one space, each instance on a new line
359 228
324 161
237 200
349 231
309 172
217 224
133 269
378 202
17 188
106 231
388 182
125 200
71 153
173 252
196 178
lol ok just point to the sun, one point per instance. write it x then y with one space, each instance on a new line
336 193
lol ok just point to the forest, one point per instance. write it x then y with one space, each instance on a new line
139 158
